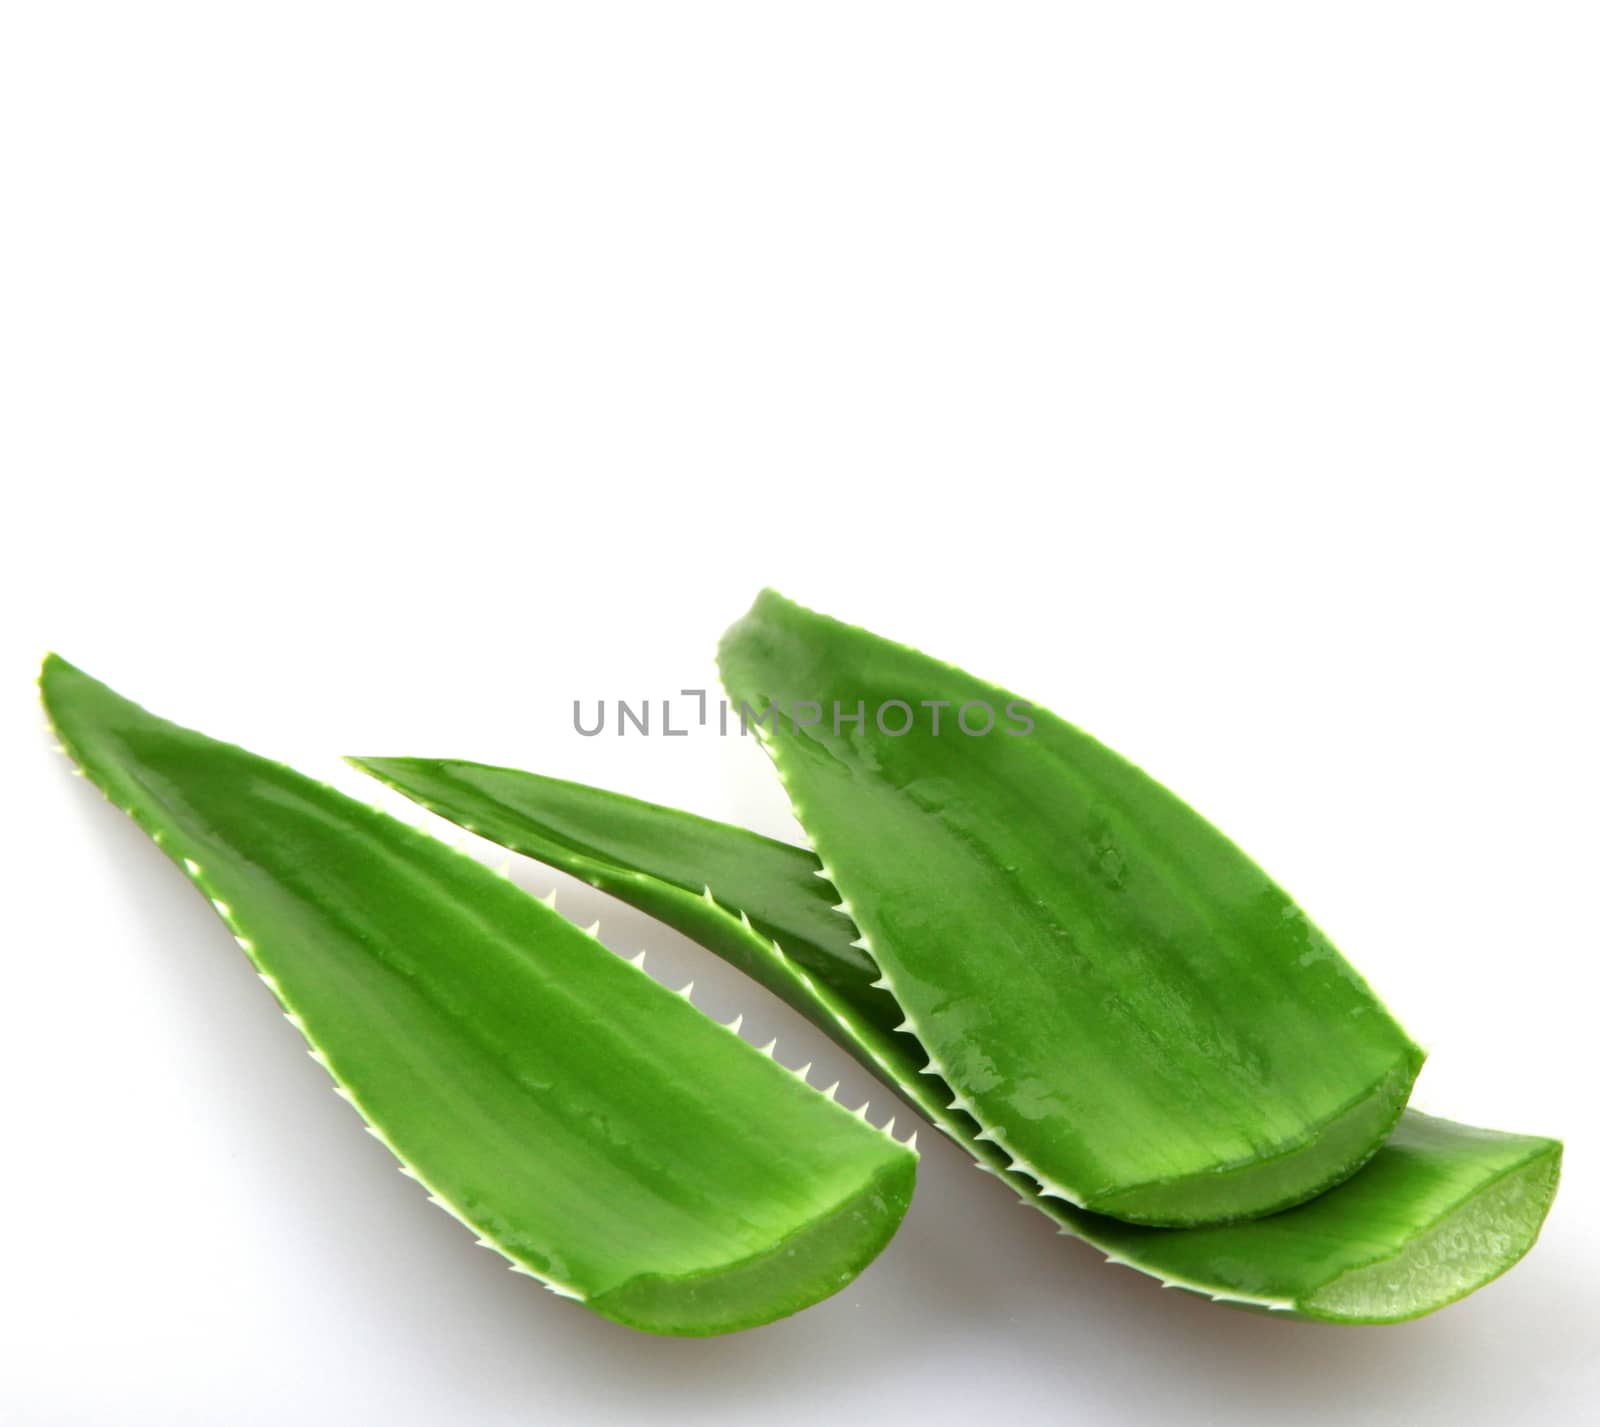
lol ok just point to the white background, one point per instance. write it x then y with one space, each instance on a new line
382 379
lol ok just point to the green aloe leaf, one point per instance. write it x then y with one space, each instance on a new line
1439 1210
590 1125
1128 1004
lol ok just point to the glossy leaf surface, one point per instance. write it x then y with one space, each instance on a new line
590 1125
1440 1209
1127 1003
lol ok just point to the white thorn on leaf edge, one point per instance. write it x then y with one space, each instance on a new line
593 929
549 899
637 960
770 1047
804 1071
736 1022
687 990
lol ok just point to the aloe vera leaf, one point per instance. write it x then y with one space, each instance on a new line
1440 1210
590 1125
1127 1003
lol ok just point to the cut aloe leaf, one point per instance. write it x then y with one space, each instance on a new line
1128 1005
1440 1209
590 1125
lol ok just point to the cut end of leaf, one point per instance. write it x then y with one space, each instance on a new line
1269 1185
1478 1242
1442 1209
802 1270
